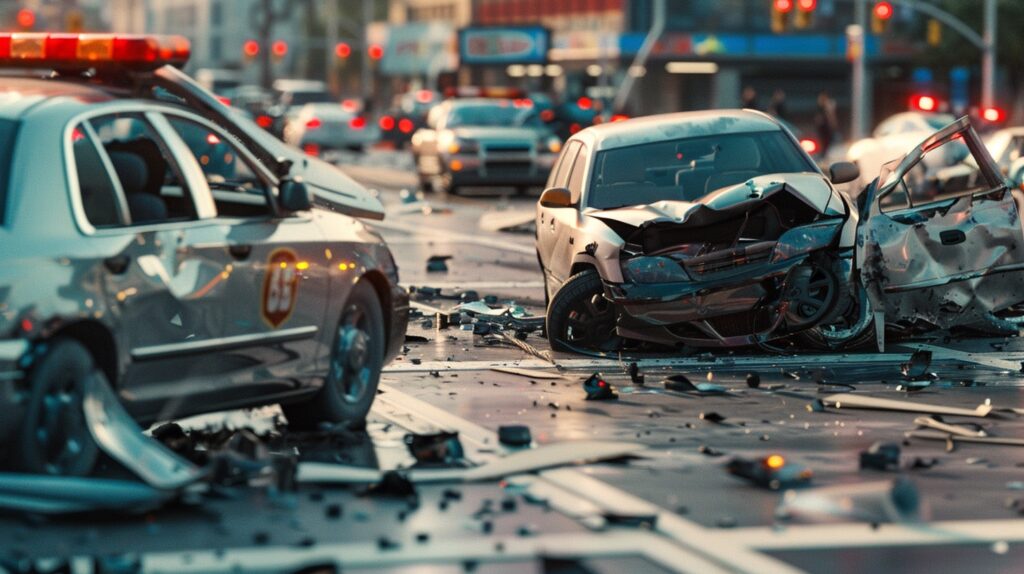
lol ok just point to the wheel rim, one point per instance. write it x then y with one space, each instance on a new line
351 371
591 323
60 432
850 324
816 300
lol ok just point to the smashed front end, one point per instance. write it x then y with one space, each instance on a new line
746 264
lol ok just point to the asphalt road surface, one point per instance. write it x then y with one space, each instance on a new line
670 508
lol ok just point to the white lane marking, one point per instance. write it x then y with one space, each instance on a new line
690 535
491 549
853 535
986 359
453 236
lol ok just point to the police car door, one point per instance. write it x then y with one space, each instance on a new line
279 283
942 234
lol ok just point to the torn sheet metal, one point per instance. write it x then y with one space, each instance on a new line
44 494
854 401
873 502
120 437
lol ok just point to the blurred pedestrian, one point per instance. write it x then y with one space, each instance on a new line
777 107
825 121
750 98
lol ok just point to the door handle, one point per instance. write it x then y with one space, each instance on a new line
117 264
952 237
240 251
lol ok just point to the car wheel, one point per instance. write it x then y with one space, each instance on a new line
579 317
851 328
357 356
1009 321
55 437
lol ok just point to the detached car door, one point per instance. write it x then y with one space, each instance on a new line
942 241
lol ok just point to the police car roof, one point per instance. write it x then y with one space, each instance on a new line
19 94
680 125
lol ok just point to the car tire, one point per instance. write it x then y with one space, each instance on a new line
55 437
579 317
859 331
357 357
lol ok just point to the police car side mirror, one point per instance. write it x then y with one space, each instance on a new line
295 195
843 172
556 197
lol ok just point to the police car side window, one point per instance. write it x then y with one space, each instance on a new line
237 190
150 179
101 199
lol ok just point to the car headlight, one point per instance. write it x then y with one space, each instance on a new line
805 239
549 145
447 142
653 270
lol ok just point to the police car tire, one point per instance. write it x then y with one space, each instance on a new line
328 405
65 364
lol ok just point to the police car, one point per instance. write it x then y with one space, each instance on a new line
150 235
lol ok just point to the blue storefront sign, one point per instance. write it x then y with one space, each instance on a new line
504 45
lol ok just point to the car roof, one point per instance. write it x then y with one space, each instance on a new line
18 95
468 102
679 125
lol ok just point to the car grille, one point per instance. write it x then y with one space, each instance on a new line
508 148
730 259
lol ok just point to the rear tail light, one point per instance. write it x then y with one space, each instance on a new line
619 118
311 149
357 123
264 121
547 115
314 123
405 125
386 123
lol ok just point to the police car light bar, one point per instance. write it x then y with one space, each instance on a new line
83 51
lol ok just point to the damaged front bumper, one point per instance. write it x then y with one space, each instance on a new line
731 297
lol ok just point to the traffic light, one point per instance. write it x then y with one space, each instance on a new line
375 51
880 16
924 103
250 49
780 15
805 13
934 32
279 49
26 19
342 50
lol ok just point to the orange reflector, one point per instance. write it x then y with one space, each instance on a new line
456 165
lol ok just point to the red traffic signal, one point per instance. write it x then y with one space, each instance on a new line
806 5
782 6
375 51
279 48
251 48
993 115
924 103
342 50
883 10
26 18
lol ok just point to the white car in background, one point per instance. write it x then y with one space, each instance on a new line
892 139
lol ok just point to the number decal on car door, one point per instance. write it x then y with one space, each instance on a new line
280 287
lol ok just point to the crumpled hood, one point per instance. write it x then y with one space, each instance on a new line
811 188
497 134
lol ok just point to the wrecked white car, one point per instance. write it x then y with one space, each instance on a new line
716 229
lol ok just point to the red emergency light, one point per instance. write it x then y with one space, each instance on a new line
84 51
993 115
924 103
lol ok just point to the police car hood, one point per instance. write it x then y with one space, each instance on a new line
811 188
334 190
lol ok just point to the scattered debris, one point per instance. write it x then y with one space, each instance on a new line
531 373
853 401
709 451
916 369
881 456
438 263
42 494
509 221
435 449
952 438
393 484
680 383
635 375
712 417
753 380
514 435
873 502
960 429
598 389
772 472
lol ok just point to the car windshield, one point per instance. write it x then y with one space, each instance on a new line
311 97
7 129
492 115
688 169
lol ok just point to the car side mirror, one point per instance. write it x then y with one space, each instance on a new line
843 172
295 195
556 197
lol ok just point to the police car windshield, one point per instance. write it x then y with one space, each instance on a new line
691 168
490 115
7 130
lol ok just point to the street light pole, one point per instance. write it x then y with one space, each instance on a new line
988 58
858 45
331 23
365 76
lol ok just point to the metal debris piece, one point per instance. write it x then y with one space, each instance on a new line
438 263
712 417
916 369
874 502
598 389
531 373
635 375
549 456
854 401
393 484
709 451
952 438
118 435
753 380
913 386
961 429
681 384
772 472
42 494
438 448
514 435
881 456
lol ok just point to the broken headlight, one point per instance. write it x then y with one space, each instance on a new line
653 270
805 239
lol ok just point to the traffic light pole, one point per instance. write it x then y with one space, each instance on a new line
988 60
858 45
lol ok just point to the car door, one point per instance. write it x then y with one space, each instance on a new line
277 282
556 223
942 240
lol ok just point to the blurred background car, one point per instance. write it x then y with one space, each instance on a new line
484 142
893 138
399 122
290 96
321 127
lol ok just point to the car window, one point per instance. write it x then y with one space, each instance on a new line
237 190
943 173
561 175
490 115
102 198
151 181
7 131
579 169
